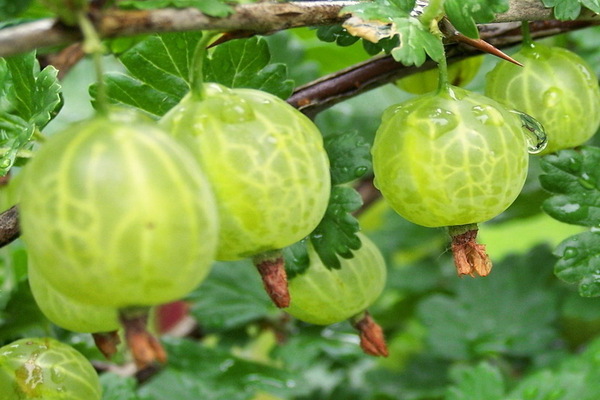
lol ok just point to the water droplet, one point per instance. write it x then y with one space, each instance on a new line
236 111
570 253
56 375
444 120
360 171
535 132
552 97
569 208
5 163
488 115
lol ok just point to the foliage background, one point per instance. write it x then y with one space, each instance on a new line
520 333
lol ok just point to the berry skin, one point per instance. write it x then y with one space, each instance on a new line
325 296
450 158
265 161
115 213
556 87
44 368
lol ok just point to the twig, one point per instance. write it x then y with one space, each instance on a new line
9 226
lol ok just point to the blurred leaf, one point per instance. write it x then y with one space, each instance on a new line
198 372
231 297
580 262
337 34
573 178
336 233
12 8
245 64
570 9
115 387
465 14
214 8
575 379
483 381
349 155
511 312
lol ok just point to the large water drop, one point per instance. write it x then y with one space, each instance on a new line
535 132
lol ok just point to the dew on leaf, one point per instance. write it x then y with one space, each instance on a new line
570 253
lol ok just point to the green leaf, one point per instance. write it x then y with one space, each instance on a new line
380 10
465 14
416 41
350 156
231 297
570 9
159 71
214 8
336 233
580 262
483 381
337 34
296 258
511 312
11 8
573 178
116 387
245 64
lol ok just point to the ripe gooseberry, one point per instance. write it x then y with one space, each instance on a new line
115 213
555 86
451 157
265 161
44 368
324 296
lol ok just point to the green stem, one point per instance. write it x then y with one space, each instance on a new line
443 84
197 73
527 40
92 44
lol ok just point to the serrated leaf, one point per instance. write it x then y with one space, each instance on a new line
570 9
296 258
350 156
574 179
465 14
416 42
483 381
230 297
580 262
214 8
511 312
336 233
245 64
337 34
12 8
159 71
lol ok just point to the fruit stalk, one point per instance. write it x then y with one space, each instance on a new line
470 257
271 267
372 340
107 342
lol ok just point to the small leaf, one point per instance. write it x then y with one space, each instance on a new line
214 8
336 233
574 179
116 387
570 9
12 8
416 41
296 258
350 156
580 262
483 381
465 14
230 297
245 64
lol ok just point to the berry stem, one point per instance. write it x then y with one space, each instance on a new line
145 348
92 44
196 72
443 84
372 340
470 257
527 40
271 266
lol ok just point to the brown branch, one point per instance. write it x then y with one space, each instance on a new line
9 226
339 86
